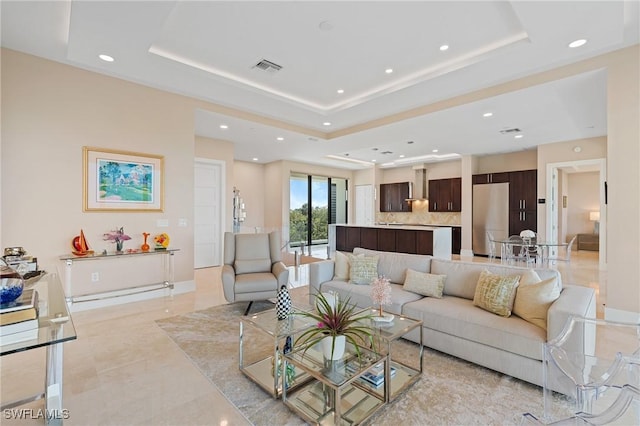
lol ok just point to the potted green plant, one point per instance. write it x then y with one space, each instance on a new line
337 321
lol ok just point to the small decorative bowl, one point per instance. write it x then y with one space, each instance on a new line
10 289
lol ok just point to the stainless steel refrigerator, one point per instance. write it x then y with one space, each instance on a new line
490 213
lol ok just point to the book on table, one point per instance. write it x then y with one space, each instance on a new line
23 309
19 332
375 375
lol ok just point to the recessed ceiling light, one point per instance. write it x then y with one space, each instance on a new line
444 47
434 150
577 43
224 126
401 155
326 123
341 91
487 114
577 149
254 159
518 136
389 70
280 138
373 161
106 58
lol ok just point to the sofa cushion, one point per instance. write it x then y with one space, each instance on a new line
395 265
496 293
342 266
533 301
360 295
424 283
459 317
363 269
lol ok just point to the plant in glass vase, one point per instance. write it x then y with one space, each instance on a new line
337 323
117 236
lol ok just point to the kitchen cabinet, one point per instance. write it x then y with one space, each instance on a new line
523 192
445 195
484 178
393 197
456 239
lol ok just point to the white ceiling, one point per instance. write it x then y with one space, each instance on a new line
208 49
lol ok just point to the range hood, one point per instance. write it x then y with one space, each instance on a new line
420 188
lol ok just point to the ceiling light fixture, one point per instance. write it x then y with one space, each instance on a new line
106 58
518 136
434 150
487 114
444 47
389 70
280 138
326 123
254 159
401 155
224 126
577 43
341 91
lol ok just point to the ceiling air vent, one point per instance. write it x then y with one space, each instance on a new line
268 66
509 131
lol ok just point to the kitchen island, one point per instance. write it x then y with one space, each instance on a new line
399 238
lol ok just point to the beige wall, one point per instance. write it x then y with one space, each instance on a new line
249 178
583 197
623 153
50 111
508 162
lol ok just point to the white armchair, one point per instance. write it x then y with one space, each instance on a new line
253 268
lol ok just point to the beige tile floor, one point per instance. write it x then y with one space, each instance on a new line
124 370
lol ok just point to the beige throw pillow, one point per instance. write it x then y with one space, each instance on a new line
496 293
341 271
423 283
363 269
533 301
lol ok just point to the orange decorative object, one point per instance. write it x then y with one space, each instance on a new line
80 245
145 246
162 241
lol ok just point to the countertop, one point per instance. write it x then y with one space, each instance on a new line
393 225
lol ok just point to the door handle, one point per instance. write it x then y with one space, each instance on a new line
524 204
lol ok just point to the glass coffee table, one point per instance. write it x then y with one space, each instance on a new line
407 371
263 339
337 392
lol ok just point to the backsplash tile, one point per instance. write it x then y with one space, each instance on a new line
421 216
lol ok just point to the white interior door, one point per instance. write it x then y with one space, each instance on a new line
208 212
364 205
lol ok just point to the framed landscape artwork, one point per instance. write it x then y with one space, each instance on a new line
122 181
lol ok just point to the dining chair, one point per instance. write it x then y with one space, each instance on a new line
491 245
567 257
514 249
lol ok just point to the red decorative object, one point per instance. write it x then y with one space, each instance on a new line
145 246
80 245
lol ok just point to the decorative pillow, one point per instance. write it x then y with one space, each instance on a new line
533 301
529 277
363 269
496 293
424 283
341 266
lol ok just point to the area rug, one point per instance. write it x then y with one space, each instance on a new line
450 392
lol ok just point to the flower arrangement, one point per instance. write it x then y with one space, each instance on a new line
337 319
116 236
162 241
381 292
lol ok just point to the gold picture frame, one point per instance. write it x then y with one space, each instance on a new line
122 181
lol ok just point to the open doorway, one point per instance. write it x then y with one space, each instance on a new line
583 213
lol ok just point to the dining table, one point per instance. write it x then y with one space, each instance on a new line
544 247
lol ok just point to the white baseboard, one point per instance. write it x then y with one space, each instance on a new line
611 314
119 297
466 253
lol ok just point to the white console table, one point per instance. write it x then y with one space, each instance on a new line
167 282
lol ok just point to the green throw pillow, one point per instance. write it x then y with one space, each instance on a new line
363 269
496 293
423 283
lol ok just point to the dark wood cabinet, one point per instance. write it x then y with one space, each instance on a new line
393 197
523 193
456 239
424 243
445 195
483 178
406 241
387 239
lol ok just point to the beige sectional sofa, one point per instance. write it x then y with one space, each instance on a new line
453 324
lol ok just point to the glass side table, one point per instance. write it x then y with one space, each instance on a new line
387 334
337 392
260 357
